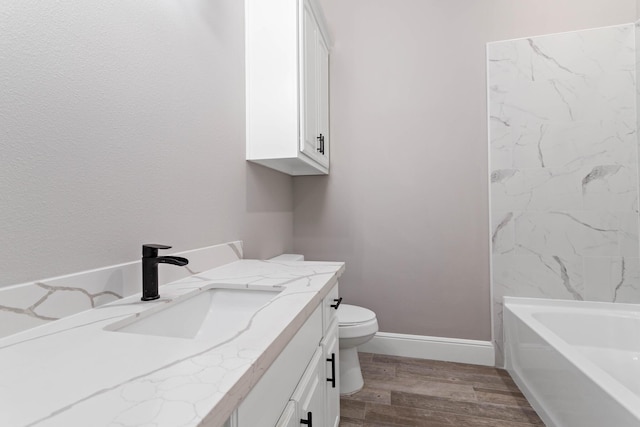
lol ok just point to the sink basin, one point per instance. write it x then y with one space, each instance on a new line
210 314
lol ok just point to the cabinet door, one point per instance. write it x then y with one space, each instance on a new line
322 60
309 395
309 91
332 360
314 117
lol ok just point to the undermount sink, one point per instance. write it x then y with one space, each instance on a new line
211 314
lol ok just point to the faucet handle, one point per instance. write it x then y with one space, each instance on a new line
150 250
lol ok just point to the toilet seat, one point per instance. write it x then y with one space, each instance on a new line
355 322
349 315
358 330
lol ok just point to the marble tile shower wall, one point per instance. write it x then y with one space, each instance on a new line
32 304
564 168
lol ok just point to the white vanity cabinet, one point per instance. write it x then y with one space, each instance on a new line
287 86
302 383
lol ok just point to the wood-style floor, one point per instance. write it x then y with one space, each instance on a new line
402 391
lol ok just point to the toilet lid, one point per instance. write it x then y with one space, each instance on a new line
352 314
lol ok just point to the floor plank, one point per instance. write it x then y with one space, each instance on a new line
391 415
352 409
482 410
409 392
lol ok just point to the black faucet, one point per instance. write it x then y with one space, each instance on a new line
150 261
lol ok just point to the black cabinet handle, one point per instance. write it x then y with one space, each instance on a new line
332 380
308 421
321 140
337 303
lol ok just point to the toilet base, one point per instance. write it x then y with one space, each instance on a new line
351 380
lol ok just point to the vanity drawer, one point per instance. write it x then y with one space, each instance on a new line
329 307
269 397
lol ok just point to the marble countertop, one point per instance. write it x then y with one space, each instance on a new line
74 372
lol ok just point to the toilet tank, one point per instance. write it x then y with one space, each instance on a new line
288 257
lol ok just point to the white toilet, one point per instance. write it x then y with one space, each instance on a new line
356 326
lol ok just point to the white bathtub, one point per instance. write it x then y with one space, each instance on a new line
578 363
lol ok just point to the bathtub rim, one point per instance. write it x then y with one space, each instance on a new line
523 308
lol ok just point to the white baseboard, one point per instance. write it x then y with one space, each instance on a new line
434 348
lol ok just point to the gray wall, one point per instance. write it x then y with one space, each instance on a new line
406 204
122 123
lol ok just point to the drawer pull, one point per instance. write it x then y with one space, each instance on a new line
321 141
337 303
332 380
307 421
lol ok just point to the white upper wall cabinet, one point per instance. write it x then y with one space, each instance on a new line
287 84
